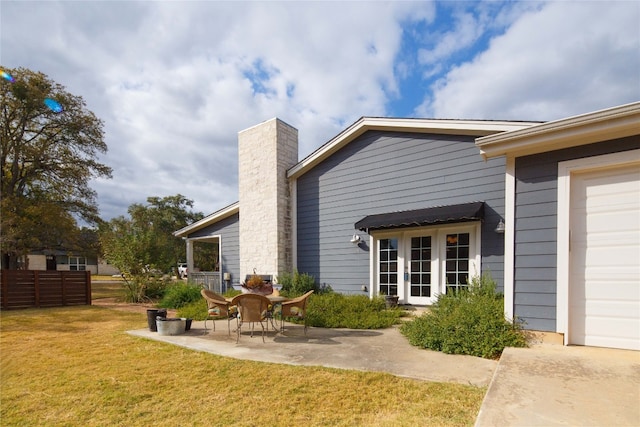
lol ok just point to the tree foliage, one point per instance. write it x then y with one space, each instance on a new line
47 160
145 242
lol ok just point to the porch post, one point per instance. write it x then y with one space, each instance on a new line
189 255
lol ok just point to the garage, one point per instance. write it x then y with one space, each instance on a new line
572 226
604 257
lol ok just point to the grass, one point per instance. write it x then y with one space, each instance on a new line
77 366
106 290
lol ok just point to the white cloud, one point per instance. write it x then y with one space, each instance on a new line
174 82
564 59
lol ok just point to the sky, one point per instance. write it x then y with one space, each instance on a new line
175 81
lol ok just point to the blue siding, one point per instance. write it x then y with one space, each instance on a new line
389 171
536 229
228 230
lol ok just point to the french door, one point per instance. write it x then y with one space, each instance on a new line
418 265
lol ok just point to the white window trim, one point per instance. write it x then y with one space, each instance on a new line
509 237
475 244
189 243
77 263
565 170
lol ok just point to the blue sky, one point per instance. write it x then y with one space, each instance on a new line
174 82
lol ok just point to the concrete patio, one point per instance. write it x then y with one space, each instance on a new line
545 385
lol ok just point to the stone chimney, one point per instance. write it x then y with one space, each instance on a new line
265 153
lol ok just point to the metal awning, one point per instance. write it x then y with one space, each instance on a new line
463 212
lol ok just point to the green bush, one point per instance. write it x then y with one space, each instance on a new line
178 294
296 284
156 287
196 310
326 310
469 322
334 310
143 288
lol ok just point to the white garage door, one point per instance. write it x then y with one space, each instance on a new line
604 271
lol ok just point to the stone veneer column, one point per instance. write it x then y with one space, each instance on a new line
265 152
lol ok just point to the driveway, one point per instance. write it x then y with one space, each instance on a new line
555 385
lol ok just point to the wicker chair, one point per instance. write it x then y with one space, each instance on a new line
296 307
252 308
218 308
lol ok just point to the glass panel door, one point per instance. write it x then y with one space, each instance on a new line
388 266
420 267
457 261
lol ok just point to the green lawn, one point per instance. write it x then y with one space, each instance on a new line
77 366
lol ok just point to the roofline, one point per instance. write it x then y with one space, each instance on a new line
209 219
437 126
607 124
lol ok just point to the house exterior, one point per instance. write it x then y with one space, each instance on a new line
414 207
304 215
572 235
65 261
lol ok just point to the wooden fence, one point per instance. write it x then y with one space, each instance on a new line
33 288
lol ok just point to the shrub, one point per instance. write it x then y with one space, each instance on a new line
296 284
142 288
334 310
196 310
156 287
467 322
179 294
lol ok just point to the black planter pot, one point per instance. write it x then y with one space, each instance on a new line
151 317
391 300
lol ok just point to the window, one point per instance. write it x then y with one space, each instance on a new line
77 263
457 261
388 265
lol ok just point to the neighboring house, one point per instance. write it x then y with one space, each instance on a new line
573 226
63 261
404 206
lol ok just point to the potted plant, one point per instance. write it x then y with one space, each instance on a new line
256 285
390 300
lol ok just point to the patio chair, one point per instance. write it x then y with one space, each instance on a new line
252 308
218 308
296 307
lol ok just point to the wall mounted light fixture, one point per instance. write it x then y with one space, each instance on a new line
500 227
355 239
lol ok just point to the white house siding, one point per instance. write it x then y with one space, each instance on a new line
535 285
382 172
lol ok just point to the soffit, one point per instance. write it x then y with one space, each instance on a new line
609 124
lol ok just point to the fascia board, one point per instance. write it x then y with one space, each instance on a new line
437 126
208 220
612 123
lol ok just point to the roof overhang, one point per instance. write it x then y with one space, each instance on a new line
476 128
208 220
463 212
612 123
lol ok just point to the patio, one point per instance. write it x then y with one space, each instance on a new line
382 350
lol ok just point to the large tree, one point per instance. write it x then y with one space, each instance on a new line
50 143
145 241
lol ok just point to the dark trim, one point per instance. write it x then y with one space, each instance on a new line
463 212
